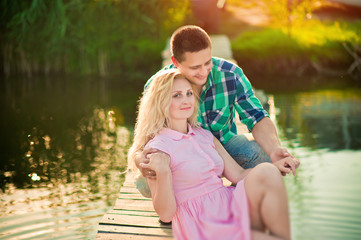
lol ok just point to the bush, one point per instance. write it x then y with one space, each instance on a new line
86 37
274 50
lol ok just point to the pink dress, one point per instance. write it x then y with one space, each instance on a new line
206 209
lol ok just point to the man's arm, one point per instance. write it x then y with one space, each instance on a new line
234 172
265 134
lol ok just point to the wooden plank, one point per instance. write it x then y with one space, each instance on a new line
144 231
117 236
133 220
128 184
128 189
133 204
132 196
129 181
133 212
133 217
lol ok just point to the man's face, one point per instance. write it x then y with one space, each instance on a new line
196 66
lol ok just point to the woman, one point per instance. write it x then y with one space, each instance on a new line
188 189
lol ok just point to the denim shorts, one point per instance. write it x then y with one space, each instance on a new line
246 153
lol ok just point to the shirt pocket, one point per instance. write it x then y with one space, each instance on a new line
219 118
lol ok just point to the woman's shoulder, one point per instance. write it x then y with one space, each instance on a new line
203 132
162 141
157 142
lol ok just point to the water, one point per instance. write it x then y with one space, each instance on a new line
63 148
323 128
63 145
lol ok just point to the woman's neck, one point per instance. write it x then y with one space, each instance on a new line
179 126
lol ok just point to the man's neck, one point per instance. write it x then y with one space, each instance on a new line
199 89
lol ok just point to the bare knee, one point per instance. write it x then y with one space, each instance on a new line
265 174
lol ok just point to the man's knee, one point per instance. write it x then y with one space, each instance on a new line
254 156
247 153
258 155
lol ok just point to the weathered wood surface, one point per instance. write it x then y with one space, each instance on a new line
133 216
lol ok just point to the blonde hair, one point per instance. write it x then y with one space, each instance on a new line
153 111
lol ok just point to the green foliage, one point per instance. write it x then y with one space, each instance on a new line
325 40
86 36
265 43
311 41
288 12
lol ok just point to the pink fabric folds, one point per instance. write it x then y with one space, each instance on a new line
205 208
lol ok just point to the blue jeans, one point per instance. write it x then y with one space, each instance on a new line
246 153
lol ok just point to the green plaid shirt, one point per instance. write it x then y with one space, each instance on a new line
227 90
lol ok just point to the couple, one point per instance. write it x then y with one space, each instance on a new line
185 141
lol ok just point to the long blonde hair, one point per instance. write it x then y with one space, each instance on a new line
153 111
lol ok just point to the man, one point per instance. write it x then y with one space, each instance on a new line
223 89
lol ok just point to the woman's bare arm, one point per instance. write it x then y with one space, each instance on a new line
162 186
232 171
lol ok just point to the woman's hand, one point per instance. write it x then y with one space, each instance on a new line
286 165
158 162
142 157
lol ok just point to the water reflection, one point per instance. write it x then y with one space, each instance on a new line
321 119
64 147
323 128
325 197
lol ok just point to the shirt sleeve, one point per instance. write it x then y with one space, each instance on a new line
157 143
247 105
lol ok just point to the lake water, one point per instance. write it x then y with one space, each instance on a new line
64 141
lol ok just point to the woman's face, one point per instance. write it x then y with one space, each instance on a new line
182 103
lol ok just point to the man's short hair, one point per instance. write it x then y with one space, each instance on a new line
188 38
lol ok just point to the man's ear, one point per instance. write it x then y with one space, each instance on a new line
174 61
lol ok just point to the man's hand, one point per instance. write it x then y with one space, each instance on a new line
286 165
140 158
159 162
286 158
142 162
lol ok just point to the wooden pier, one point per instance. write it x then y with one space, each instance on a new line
133 216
